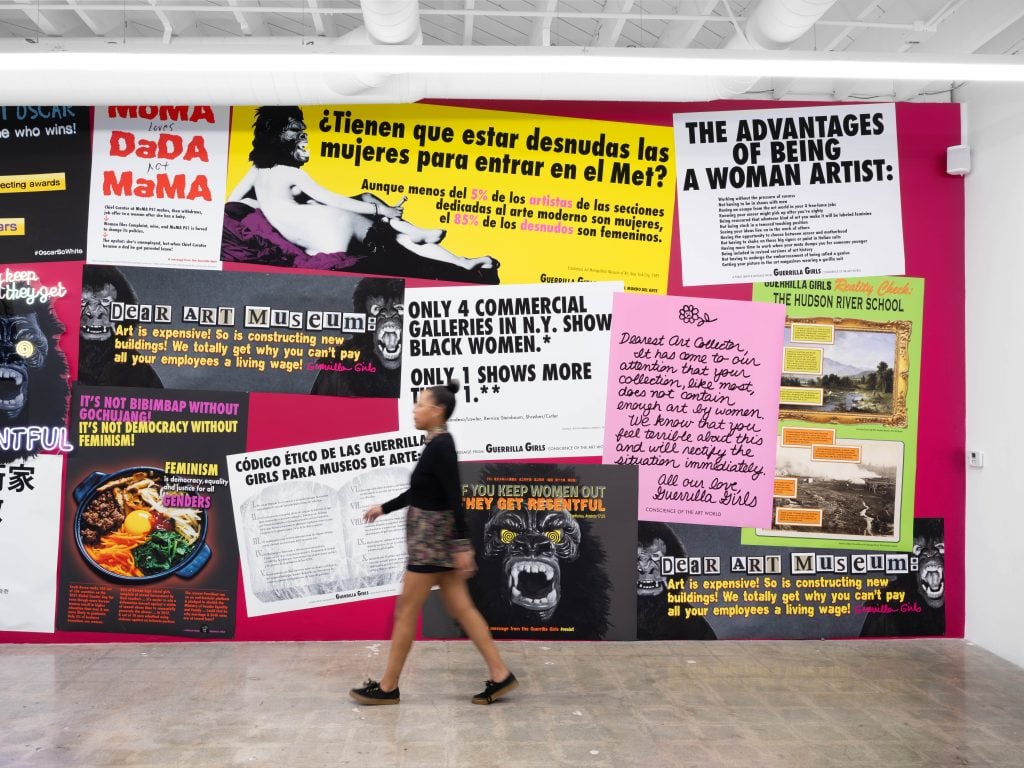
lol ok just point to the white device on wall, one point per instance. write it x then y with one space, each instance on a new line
958 160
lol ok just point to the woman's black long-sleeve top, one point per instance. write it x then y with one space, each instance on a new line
435 483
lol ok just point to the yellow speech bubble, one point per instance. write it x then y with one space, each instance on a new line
801 396
798 516
33 182
801 360
12 227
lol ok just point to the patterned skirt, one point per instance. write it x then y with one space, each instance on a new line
428 537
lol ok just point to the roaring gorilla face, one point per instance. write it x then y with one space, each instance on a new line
531 543
279 138
930 551
539 566
95 322
23 346
654 541
387 330
381 299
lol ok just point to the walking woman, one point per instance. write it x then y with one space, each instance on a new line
440 553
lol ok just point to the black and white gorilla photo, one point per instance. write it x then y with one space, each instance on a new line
102 286
655 542
377 372
922 612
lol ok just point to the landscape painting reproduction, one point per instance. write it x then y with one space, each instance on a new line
850 489
845 371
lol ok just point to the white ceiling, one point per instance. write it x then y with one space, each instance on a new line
904 28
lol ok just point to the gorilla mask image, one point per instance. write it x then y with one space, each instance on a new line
23 346
930 551
531 543
385 314
654 541
95 321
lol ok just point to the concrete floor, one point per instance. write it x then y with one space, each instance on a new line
790 704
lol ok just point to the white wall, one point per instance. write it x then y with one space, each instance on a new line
995 368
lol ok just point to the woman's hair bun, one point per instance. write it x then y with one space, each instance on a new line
453 386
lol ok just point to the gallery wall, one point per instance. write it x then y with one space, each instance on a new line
992 270
559 425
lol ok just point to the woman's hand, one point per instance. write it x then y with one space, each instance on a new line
465 563
372 513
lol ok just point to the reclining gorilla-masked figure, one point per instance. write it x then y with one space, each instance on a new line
280 139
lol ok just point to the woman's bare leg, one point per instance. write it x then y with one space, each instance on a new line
417 235
459 605
415 590
440 253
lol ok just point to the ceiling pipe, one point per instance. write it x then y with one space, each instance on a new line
392 22
385 22
358 71
777 24
773 25
251 74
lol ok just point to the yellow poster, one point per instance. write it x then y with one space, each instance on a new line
505 197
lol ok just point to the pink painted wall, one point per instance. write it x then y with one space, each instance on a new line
933 230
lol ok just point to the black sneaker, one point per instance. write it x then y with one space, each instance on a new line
493 691
372 694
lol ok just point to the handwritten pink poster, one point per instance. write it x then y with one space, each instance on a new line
693 400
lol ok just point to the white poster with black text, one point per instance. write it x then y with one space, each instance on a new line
156 197
29 534
532 361
299 519
809 192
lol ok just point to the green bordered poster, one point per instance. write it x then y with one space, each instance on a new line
848 402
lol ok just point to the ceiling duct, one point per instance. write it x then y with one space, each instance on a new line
346 70
385 22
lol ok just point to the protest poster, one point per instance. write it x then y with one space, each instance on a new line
532 361
554 551
148 542
806 192
44 183
158 175
701 582
299 517
241 331
847 441
692 400
487 196
33 363
29 534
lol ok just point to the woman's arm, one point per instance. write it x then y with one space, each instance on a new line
402 500
321 194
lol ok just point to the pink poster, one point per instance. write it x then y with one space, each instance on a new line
693 400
